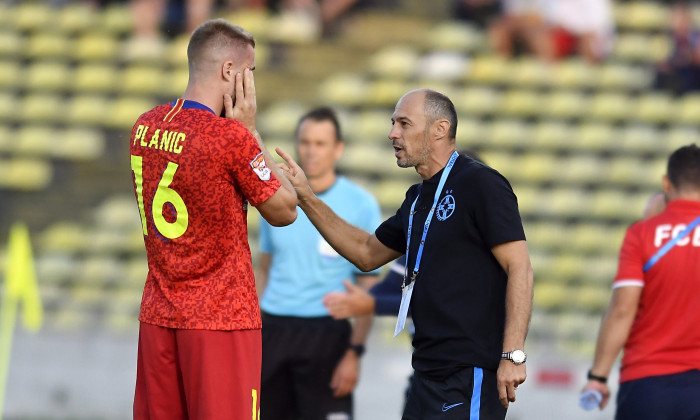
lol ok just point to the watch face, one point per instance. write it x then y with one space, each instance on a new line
518 356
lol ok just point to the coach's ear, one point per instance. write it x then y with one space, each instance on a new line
440 128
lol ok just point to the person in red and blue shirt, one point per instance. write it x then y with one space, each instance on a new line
194 174
653 313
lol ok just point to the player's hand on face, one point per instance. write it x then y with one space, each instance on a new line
295 174
509 376
243 105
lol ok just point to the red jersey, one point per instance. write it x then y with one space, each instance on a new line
665 336
194 174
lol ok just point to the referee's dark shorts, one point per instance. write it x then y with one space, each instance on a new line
664 397
470 394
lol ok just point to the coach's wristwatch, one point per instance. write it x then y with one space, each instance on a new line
518 357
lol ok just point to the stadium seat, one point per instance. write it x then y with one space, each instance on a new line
641 15
118 212
347 89
592 297
125 110
534 167
580 169
528 198
64 237
135 271
451 35
595 238
617 75
55 268
550 296
529 72
95 46
572 73
12 44
44 45
9 73
640 138
687 110
678 136
46 76
549 235
175 82
385 92
116 19
564 202
509 133
36 140
255 20
477 100
32 16
79 144
390 193
142 79
280 119
610 106
373 125
76 18
521 103
553 134
594 136
655 108
564 103
7 139
41 108
488 69
603 267
471 132
97 272
25 174
641 47
91 110
444 66
398 61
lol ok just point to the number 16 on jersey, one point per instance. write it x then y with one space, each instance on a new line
163 195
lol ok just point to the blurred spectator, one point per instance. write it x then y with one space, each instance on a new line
480 12
680 72
327 13
554 29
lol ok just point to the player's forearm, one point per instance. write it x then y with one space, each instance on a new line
518 306
614 331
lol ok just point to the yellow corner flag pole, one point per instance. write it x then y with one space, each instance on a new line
20 286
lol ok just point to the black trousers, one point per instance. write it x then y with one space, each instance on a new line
470 394
299 357
664 397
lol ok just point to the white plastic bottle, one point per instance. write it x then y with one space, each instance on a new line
590 399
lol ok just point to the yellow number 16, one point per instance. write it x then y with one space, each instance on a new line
164 194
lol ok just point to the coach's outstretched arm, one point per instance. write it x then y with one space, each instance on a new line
357 245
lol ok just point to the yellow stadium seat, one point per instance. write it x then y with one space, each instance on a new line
641 47
528 198
116 19
488 69
54 268
95 46
610 106
81 144
616 75
46 75
477 100
442 66
549 235
536 167
8 106
135 271
257 21
124 111
688 110
36 140
580 168
654 107
385 92
9 73
521 102
641 15
603 267
7 143
501 161
143 79
94 78
12 44
529 72
550 296
69 318
32 16
595 238
177 50
471 132
92 110
592 297
509 132
611 204
77 17
347 89
25 174
372 125
394 61
294 28
64 237
677 136
594 136
572 73
43 45
390 193
455 36
280 119
41 107
564 103
640 138
552 134
175 82
565 202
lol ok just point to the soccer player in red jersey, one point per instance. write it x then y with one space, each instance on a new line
654 312
194 174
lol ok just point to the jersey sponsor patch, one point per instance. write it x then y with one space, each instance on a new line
260 167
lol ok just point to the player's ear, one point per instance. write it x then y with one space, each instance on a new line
227 71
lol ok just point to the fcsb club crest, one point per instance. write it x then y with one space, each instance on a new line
260 167
445 207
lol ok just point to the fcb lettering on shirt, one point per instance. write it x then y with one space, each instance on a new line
667 231
165 140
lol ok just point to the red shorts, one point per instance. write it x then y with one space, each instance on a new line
197 374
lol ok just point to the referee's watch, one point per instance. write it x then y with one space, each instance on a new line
518 357
359 349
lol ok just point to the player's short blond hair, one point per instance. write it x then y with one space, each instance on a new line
212 38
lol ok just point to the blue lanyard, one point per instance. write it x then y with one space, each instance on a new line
670 244
426 226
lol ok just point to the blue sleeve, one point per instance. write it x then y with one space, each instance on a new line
387 293
265 240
